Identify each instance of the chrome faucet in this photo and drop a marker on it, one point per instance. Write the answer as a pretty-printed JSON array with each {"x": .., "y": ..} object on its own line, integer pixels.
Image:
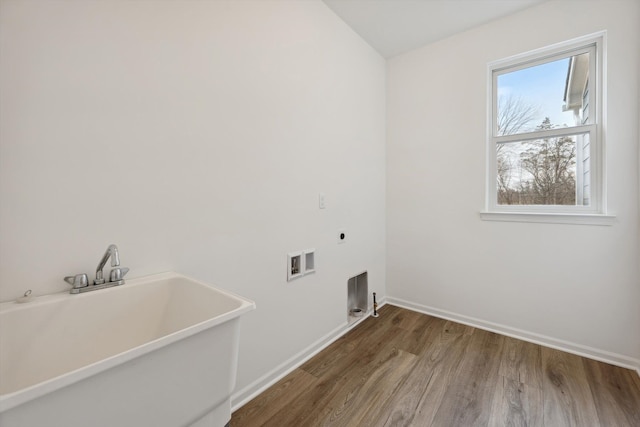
[
  {"x": 80, "y": 282},
  {"x": 111, "y": 252}
]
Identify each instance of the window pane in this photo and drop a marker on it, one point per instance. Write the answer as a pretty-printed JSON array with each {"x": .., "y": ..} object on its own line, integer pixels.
[
  {"x": 556, "y": 91},
  {"x": 552, "y": 171}
]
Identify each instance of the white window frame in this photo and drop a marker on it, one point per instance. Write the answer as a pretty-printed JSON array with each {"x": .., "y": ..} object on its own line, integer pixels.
[{"x": 596, "y": 212}]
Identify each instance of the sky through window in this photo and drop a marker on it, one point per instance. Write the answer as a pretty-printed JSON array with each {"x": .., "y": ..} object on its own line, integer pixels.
[{"x": 541, "y": 87}]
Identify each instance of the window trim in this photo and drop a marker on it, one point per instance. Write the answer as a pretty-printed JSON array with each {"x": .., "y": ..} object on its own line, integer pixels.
[
  {"x": 550, "y": 218},
  {"x": 596, "y": 212}
]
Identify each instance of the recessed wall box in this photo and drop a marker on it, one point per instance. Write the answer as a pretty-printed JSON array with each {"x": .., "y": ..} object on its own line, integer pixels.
[
  {"x": 357, "y": 296},
  {"x": 309, "y": 261},
  {"x": 295, "y": 265}
]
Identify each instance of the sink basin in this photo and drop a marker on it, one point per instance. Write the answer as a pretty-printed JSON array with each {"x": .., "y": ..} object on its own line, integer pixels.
[{"x": 160, "y": 350}]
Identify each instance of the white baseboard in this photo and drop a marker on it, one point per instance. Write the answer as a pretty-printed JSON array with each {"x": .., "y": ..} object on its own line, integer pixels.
[
  {"x": 241, "y": 397},
  {"x": 569, "y": 347}
]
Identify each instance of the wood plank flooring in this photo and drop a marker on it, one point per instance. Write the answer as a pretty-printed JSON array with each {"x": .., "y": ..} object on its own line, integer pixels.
[{"x": 409, "y": 369}]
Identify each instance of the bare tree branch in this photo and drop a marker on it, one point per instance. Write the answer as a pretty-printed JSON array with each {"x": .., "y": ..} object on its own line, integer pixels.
[{"x": 515, "y": 115}]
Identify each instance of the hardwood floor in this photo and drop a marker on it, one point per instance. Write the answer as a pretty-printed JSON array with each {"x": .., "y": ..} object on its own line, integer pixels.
[{"x": 409, "y": 369}]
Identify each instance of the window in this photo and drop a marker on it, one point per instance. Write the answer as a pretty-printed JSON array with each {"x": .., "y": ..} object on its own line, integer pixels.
[{"x": 545, "y": 141}]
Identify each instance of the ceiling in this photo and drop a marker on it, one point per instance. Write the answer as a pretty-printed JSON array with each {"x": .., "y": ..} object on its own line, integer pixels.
[{"x": 393, "y": 27}]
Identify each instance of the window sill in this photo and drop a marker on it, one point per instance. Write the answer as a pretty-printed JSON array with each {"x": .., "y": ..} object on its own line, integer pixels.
[{"x": 551, "y": 218}]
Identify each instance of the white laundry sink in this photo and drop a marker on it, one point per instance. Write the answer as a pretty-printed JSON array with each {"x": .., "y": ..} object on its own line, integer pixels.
[{"x": 159, "y": 350}]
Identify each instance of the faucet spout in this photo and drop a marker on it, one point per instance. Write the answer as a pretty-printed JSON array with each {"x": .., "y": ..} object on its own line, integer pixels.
[{"x": 111, "y": 252}]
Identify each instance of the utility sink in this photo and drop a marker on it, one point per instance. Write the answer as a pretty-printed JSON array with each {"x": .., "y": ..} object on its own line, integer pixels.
[{"x": 159, "y": 350}]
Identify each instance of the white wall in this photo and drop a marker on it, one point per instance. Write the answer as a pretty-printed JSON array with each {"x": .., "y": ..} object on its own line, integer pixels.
[
  {"x": 196, "y": 136},
  {"x": 570, "y": 285}
]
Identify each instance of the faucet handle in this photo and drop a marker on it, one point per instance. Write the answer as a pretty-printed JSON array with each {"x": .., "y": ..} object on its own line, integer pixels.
[
  {"x": 118, "y": 273},
  {"x": 78, "y": 281}
]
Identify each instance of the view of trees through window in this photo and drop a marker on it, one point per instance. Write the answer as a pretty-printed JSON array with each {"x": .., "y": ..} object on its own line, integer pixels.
[
  {"x": 551, "y": 169},
  {"x": 537, "y": 172}
]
